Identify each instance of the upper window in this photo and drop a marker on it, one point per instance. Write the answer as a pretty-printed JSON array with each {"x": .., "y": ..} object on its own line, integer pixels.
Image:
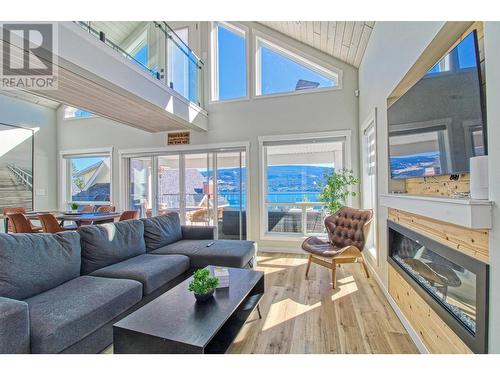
[
  {"x": 280, "y": 71},
  {"x": 71, "y": 112},
  {"x": 229, "y": 62}
]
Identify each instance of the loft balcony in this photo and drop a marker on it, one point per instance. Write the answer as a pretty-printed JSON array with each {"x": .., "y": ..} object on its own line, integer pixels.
[{"x": 138, "y": 73}]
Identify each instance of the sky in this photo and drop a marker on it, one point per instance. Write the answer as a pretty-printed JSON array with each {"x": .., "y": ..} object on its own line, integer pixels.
[
  {"x": 466, "y": 54},
  {"x": 279, "y": 74},
  {"x": 82, "y": 163}
]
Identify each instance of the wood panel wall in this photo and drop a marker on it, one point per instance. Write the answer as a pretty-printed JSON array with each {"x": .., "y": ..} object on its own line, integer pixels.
[
  {"x": 434, "y": 332},
  {"x": 442, "y": 185},
  {"x": 472, "y": 242}
]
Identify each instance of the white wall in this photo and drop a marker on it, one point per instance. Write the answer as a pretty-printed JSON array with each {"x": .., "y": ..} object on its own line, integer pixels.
[
  {"x": 19, "y": 112},
  {"x": 392, "y": 50},
  {"x": 492, "y": 61},
  {"x": 238, "y": 121}
]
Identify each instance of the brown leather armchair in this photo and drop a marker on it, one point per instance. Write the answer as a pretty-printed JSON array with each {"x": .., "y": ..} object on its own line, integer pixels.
[{"x": 347, "y": 231}]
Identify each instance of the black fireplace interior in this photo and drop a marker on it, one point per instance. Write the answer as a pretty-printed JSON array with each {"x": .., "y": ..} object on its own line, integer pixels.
[{"x": 454, "y": 284}]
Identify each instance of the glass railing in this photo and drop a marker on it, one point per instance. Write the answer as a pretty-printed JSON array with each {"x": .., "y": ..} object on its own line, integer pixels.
[{"x": 158, "y": 50}]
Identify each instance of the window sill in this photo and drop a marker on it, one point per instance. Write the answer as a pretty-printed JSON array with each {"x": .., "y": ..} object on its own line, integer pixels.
[
  {"x": 235, "y": 100},
  {"x": 290, "y": 237},
  {"x": 303, "y": 92}
]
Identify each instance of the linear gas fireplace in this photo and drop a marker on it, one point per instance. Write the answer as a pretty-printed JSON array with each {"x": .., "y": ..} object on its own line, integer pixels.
[{"x": 453, "y": 284}]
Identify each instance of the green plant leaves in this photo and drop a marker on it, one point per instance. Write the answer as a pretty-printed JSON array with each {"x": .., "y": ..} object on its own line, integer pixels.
[
  {"x": 336, "y": 189},
  {"x": 202, "y": 282}
]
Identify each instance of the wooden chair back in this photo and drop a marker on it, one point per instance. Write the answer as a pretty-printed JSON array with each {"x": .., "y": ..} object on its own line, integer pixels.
[
  {"x": 129, "y": 215},
  {"x": 49, "y": 223},
  {"x": 87, "y": 208},
  {"x": 106, "y": 209},
  {"x": 19, "y": 223},
  {"x": 13, "y": 210}
]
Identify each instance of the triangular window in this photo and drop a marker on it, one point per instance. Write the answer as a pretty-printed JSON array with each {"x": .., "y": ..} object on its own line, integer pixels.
[{"x": 280, "y": 71}]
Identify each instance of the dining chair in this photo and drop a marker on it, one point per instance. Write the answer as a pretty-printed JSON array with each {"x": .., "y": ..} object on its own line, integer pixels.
[
  {"x": 18, "y": 210},
  {"x": 347, "y": 231},
  {"x": 87, "y": 208},
  {"x": 129, "y": 215},
  {"x": 50, "y": 224},
  {"x": 106, "y": 209},
  {"x": 19, "y": 223}
]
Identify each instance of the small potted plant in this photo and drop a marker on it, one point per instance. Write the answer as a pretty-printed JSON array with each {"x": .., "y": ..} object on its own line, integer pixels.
[
  {"x": 74, "y": 206},
  {"x": 203, "y": 285}
]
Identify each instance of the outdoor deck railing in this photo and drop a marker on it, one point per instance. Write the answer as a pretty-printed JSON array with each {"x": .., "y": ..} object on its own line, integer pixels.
[
  {"x": 163, "y": 54},
  {"x": 22, "y": 177}
]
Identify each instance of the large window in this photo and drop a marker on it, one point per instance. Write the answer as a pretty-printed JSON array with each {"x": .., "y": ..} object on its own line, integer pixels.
[
  {"x": 280, "y": 71},
  {"x": 229, "y": 62},
  {"x": 295, "y": 172},
  {"x": 87, "y": 178},
  {"x": 369, "y": 180}
]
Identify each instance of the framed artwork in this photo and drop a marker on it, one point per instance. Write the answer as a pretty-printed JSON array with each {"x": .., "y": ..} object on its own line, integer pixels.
[{"x": 16, "y": 166}]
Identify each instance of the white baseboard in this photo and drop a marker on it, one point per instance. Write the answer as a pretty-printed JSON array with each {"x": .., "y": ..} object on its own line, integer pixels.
[
  {"x": 411, "y": 331},
  {"x": 286, "y": 250}
]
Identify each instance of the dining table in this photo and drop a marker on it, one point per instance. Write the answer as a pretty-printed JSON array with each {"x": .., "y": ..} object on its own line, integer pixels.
[{"x": 79, "y": 218}]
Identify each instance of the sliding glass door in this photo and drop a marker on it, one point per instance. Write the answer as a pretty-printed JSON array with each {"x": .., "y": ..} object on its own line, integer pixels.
[
  {"x": 168, "y": 176},
  {"x": 140, "y": 193},
  {"x": 205, "y": 188},
  {"x": 231, "y": 194},
  {"x": 199, "y": 189}
]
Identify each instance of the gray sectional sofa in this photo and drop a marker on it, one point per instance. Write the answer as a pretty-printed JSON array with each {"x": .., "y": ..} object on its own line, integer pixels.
[{"x": 61, "y": 293}]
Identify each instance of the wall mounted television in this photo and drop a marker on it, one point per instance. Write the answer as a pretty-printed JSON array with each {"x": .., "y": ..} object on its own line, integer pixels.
[{"x": 439, "y": 123}]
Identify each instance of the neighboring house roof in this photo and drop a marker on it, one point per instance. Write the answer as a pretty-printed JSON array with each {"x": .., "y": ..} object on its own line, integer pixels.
[
  {"x": 95, "y": 169},
  {"x": 88, "y": 169}
]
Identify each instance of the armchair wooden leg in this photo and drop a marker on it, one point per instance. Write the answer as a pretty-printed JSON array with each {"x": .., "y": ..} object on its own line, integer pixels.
[
  {"x": 365, "y": 267},
  {"x": 334, "y": 275},
  {"x": 308, "y": 265}
]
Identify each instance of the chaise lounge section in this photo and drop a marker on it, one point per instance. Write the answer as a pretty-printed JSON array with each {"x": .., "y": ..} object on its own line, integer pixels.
[{"x": 61, "y": 293}]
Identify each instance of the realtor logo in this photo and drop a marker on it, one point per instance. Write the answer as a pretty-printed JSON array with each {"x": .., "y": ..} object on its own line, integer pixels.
[{"x": 28, "y": 59}]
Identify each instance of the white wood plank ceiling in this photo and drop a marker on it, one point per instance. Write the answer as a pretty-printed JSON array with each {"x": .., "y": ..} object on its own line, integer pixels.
[{"x": 344, "y": 40}]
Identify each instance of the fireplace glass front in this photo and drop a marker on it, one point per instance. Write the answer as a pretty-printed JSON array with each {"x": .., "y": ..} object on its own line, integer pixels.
[{"x": 453, "y": 285}]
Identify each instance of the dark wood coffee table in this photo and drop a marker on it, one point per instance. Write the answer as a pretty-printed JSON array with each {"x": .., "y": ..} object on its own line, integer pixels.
[{"x": 176, "y": 323}]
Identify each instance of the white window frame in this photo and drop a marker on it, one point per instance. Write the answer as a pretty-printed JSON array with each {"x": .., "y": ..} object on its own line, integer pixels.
[
  {"x": 345, "y": 135},
  {"x": 370, "y": 121},
  {"x": 214, "y": 63},
  {"x": 65, "y": 174},
  {"x": 261, "y": 40}
]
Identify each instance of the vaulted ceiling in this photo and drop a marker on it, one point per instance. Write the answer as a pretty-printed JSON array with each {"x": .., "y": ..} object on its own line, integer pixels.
[{"x": 344, "y": 40}]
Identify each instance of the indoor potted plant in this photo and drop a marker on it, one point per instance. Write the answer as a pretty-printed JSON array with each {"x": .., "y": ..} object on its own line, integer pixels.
[
  {"x": 74, "y": 206},
  {"x": 337, "y": 189},
  {"x": 203, "y": 285}
]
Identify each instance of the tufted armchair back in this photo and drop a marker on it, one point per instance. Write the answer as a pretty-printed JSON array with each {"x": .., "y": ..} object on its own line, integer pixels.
[{"x": 348, "y": 226}]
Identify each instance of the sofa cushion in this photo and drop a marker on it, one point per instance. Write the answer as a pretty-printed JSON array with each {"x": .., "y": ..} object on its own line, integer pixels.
[
  {"x": 152, "y": 271},
  {"x": 106, "y": 244},
  {"x": 64, "y": 315},
  {"x": 226, "y": 253},
  {"x": 33, "y": 263},
  {"x": 14, "y": 327},
  {"x": 162, "y": 230}
]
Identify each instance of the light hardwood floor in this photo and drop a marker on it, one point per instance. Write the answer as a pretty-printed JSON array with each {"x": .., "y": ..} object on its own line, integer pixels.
[{"x": 307, "y": 316}]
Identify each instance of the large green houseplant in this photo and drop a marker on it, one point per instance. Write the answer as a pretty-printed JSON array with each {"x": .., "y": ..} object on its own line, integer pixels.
[{"x": 337, "y": 189}]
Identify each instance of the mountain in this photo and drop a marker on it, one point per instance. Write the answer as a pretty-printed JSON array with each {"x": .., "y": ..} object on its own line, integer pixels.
[{"x": 281, "y": 178}]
